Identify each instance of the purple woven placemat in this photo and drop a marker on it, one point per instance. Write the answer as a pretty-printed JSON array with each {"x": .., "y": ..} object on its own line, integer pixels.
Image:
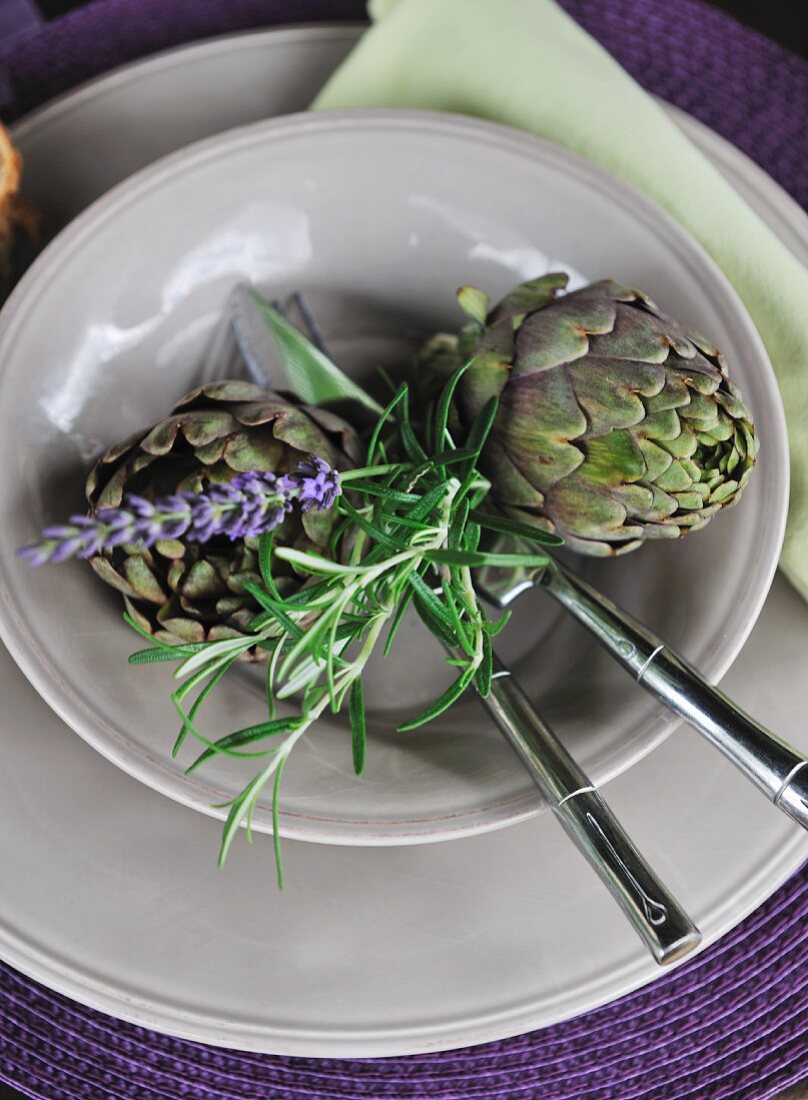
[
  {"x": 732, "y": 1024},
  {"x": 729, "y": 1025},
  {"x": 747, "y": 88}
]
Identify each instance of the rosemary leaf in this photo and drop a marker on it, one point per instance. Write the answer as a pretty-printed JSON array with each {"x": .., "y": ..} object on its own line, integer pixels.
[
  {"x": 356, "y": 713},
  {"x": 507, "y": 526},
  {"x": 400, "y": 396},
  {"x": 444, "y": 406},
  {"x": 265, "y": 563},
  {"x": 238, "y": 807},
  {"x": 230, "y": 744},
  {"x": 203, "y": 694},
  {"x": 482, "y": 677},
  {"x": 441, "y": 704}
]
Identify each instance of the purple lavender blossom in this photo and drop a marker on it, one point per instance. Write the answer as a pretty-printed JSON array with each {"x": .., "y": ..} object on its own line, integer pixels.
[
  {"x": 319, "y": 484},
  {"x": 246, "y": 507}
]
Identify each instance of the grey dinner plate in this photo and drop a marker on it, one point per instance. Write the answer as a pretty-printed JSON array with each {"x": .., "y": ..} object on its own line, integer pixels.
[{"x": 111, "y": 887}]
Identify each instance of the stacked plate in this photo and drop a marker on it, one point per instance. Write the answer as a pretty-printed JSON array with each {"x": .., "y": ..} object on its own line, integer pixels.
[{"x": 492, "y": 931}]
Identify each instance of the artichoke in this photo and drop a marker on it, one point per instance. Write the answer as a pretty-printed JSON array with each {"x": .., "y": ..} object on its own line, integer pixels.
[
  {"x": 180, "y": 590},
  {"x": 615, "y": 423}
]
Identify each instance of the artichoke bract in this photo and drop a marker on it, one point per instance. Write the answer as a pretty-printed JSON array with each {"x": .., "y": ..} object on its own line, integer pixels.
[
  {"x": 188, "y": 591},
  {"x": 615, "y": 424}
]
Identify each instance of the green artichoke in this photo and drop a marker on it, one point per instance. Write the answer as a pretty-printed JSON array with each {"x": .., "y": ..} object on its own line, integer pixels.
[
  {"x": 187, "y": 591},
  {"x": 615, "y": 424}
]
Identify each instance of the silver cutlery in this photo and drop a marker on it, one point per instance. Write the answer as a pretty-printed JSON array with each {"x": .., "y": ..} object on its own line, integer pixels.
[
  {"x": 661, "y": 922},
  {"x": 778, "y": 769},
  {"x": 775, "y": 767},
  {"x": 243, "y": 343}
]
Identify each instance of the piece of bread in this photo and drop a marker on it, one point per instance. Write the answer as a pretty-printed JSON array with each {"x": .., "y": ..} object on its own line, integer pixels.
[{"x": 16, "y": 215}]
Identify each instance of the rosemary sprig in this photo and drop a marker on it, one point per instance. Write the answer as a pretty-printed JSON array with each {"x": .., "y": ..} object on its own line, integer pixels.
[{"x": 407, "y": 532}]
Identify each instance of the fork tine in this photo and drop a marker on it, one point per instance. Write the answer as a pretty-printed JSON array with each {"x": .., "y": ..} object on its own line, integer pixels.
[
  {"x": 222, "y": 358},
  {"x": 242, "y": 344},
  {"x": 313, "y": 330}
]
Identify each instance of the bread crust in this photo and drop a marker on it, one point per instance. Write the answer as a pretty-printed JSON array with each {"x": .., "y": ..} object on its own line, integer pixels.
[{"x": 16, "y": 213}]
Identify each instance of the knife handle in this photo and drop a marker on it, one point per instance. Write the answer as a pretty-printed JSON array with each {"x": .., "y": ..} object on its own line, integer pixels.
[
  {"x": 776, "y": 767},
  {"x": 657, "y": 916}
]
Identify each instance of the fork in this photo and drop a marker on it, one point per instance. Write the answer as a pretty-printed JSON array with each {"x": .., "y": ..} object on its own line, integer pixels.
[{"x": 778, "y": 769}]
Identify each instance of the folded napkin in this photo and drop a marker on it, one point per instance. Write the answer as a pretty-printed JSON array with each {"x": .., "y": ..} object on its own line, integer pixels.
[{"x": 527, "y": 64}]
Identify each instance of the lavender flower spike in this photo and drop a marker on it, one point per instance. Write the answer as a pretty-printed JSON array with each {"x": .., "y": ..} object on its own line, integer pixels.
[
  {"x": 318, "y": 484},
  {"x": 246, "y": 507}
]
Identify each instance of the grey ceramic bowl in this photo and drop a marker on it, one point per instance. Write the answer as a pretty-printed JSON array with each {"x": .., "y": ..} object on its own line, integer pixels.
[{"x": 378, "y": 216}]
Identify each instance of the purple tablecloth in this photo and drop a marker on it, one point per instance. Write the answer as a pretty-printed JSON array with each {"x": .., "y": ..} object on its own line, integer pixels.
[
  {"x": 732, "y": 1024},
  {"x": 747, "y": 88}
]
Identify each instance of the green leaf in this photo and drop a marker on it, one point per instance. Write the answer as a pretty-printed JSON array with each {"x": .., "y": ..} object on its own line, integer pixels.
[
  {"x": 276, "y": 829},
  {"x": 395, "y": 623},
  {"x": 445, "y": 404},
  {"x": 314, "y": 563},
  {"x": 263, "y": 599},
  {"x": 483, "y": 422},
  {"x": 476, "y": 441},
  {"x": 369, "y": 528},
  {"x": 455, "y": 557},
  {"x": 482, "y": 678},
  {"x": 155, "y": 656},
  {"x": 274, "y": 652},
  {"x": 507, "y": 526},
  {"x": 450, "y": 457},
  {"x": 265, "y": 562},
  {"x": 394, "y": 496},
  {"x": 413, "y": 449},
  {"x": 457, "y": 531},
  {"x": 450, "y": 603},
  {"x": 427, "y": 596},
  {"x": 229, "y": 745},
  {"x": 474, "y": 302},
  {"x": 436, "y": 626},
  {"x": 238, "y": 807},
  {"x": 385, "y": 414},
  {"x": 212, "y": 651},
  {"x": 308, "y": 597},
  {"x": 385, "y": 469},
  {"x": 330, "y": 646},
  {"x": 532, "y": 561},
  {"x": 432, "y": 612},
  {"x": 356, "y": 713},
  {"x": 188, "y": 722},
  {"x": 311, "y": 375},
  {"x": 498, "y": 625},
  {"x": 451, "y": 695},
  {"x": 428, "y": 502},
  {"x": 413, "y": 524},
  {"x": 472, "y": 534},
  {"x": 172, "y": 652}
]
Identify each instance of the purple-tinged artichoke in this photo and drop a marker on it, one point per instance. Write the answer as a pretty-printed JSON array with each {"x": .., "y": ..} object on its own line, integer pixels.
[
  {"x": 615, "y": 424},
  {"x": 182, "y": 589}
]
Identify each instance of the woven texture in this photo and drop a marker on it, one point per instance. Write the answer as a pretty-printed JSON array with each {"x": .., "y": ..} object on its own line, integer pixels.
[
  {"x": 744, "y": 86},
  {"x": 730, "y": 1024}
]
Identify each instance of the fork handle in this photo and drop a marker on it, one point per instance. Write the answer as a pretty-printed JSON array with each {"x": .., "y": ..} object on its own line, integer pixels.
[
  {"x": 776, "y": 767},
  {"x": 661, "y": 922}
]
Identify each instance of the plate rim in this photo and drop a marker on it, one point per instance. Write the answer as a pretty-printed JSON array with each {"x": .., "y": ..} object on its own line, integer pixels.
[
  {"x": 115, "y": 1000},
  {"x": 184, "y": 52}
]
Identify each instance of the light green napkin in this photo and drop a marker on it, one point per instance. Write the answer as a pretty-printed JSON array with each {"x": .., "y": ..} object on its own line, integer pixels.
[{"x": 527, "y": 64}]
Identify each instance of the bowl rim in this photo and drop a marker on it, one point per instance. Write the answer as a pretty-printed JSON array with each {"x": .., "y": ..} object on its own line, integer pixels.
[{"x": 714, "y": 664}]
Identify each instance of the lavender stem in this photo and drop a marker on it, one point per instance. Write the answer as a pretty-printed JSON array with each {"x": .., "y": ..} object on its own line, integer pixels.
[{"x": 246, "y": 507}]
